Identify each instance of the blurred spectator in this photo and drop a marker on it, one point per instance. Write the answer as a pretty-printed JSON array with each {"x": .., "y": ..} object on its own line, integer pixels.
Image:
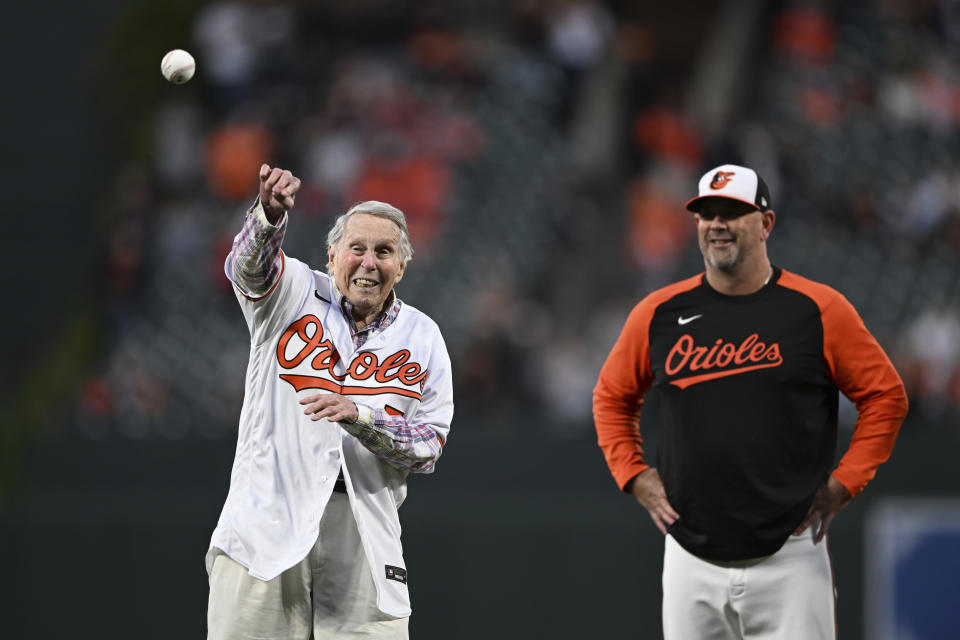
[
  {"x": 230, "y": 152},
  {"x": 125, "y": 258},
  {"x": 925, "y": 205},
  {"x": 225, "y": 33},
  {"x": 578, "y": 32},
  {"x": 332, "y": 162},
  {"x": 566, "y": 363},
  {"x": 932, "y": 358},
  {"x": 448, "y": 132},
  {"x": 805, "y": 32},
  {"x": 821, "y": 106},
  {"x": 128, "y": 396},
  {"x": 503, "y": 330},
  {"x": 929, "y": 95},
  {"x": 178, "y": 144},
  {"x": 416, "y": 184},
  {"x": 666, "y": 136},
  {"x": 565, "y": 381},
  {"x": 443, "y": 53},
  {"x": 657, "y": 229},
  {"x": 127, "y": 264},
  {"x": 236, "y": 40}
]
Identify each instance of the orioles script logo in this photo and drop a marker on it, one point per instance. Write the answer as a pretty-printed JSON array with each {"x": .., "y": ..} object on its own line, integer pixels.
[
  {"x": 394, "y": 368},
  {"x": 751, "y": 354},
  {"x": 720, "y": 179}
]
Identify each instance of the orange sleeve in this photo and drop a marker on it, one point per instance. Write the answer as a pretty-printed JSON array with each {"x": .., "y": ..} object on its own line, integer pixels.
[
  {"x": 863, "y": 372},
  {"x": 624, "y": 379}
]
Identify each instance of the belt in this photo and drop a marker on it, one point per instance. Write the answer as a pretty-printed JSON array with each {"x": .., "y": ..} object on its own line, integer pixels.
[{"x": 340, "y": 485}]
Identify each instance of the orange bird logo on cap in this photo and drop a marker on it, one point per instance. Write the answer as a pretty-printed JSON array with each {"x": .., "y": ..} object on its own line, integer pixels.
[{"x": 720, "y": 179}]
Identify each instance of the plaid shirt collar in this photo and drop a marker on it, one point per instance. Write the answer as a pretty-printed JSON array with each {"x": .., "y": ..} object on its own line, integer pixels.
[{"x": 381, "y": 322}]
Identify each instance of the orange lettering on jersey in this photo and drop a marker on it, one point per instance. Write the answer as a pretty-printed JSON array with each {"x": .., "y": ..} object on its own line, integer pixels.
[
  {"x": 309, "y": 330},
  {"x": 392, "y": 411},
  {"x": 687, "y": 356},
  {"x": 409, "y": 373},
  {"x": 363, "y": 366}
]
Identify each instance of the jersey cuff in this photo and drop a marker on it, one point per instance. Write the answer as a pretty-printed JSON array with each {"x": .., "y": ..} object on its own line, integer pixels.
[
  {"x": 854, "y": 490},
  {"x": 626, "y": 477},
  {"x": 366, "y": 416},
  {"x": 261, "y": 216}
]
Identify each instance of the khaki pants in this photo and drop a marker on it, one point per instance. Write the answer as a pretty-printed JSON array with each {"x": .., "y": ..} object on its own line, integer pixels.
[
  {"x": 330, "y": 594},
  {"x": 785, "y": 596}
]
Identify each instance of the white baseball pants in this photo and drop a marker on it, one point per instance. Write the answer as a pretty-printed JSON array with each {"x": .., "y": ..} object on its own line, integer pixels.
[
  {"x": 785, "y": 596},
  {"x": 329, "y": 595}
]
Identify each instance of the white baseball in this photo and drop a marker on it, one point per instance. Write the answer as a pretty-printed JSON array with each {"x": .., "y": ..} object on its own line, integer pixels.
[{"x": 178, "y": 66}]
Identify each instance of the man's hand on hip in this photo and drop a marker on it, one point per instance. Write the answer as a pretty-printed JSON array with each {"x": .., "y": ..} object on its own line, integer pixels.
[
  {"x": 830, "y": 498},
  {"x": 648, "y": 489}
]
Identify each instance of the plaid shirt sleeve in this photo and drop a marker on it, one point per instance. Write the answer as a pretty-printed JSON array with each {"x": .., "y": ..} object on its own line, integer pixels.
[
  {"x": 412, "y": 447},
  {"x": 254, "y": 263}
]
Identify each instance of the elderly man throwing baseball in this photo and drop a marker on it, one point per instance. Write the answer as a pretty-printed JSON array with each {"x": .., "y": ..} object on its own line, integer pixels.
[
  {"x": 348, "y": 390},
  {"x": 748, "y": 359}
]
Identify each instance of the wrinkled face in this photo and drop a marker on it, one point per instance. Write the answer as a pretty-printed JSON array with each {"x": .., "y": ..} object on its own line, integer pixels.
[
  {"x": 728, "y": 231},
  {"x": 366, "y": 264}
]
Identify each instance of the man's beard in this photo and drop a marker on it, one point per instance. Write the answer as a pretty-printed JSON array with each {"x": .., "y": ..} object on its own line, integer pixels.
[{"x": 727, "y": 260}]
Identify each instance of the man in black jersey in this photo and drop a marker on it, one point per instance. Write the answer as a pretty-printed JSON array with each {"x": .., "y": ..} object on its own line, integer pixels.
[{"x": 748, "y": 359}]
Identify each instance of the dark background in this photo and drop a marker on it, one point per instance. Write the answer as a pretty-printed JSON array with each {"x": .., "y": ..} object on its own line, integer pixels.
[{"x": 106, "y": 511}]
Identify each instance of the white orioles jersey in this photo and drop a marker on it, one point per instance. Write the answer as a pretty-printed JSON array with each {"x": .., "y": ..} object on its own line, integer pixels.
[{"x": 286, "y": 464}]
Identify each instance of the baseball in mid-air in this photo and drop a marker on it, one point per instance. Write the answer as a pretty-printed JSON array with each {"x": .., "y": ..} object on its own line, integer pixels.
[{"x": 178, "y": 66}]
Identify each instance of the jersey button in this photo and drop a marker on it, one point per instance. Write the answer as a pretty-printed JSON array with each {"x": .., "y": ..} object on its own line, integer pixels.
[{"x": 323, "y": 478}]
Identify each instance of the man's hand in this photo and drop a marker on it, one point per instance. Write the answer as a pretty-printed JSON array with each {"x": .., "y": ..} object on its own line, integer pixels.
[
  {"x": 830, "y": 498},
  {"x": 647, "y": 488},
  {"x": 332, "y": 406},
  {"x": 278, "y": 188}
]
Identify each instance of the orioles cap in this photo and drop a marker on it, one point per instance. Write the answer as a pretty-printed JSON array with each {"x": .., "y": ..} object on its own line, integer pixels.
[{"x": 733, "y": 182}]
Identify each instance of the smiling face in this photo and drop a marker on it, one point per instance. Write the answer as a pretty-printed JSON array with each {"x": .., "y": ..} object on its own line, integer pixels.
[
  {"x": 730, "y": 233},
  {"x": 366, "y": 265}
]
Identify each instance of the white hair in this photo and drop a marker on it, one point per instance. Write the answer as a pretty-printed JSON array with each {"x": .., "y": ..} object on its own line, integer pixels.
[{"x": 379, "y": 209}]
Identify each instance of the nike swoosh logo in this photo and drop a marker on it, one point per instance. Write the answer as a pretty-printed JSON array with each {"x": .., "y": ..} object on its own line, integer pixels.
[
  {"x": 317, "y": 293},
  {"x": 682, "y": 321}
]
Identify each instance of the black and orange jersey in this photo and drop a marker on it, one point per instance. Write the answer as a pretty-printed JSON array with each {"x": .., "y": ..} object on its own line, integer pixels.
[{"x": 749, "y": 399}]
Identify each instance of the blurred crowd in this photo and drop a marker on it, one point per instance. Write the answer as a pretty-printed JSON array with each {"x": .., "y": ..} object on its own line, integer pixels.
[{"x": 542, "y": 151}]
